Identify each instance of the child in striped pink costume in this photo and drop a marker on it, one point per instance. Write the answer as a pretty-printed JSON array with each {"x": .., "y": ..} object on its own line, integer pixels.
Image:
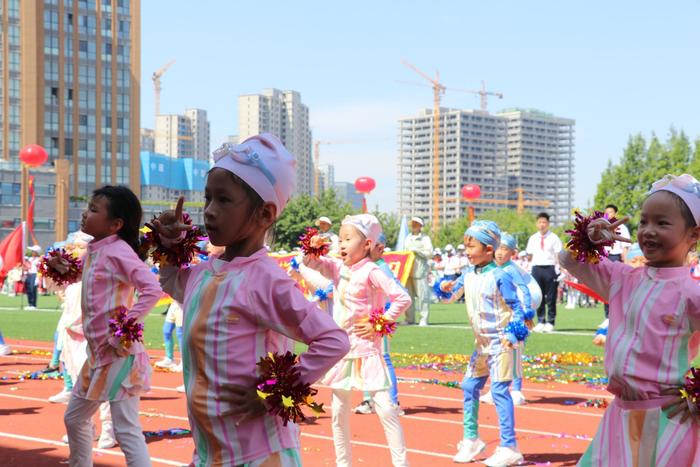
[
  {"x": 240, "y": 305},
  {"x": 361, "y": 287},
  {"x": 112, "y": 271},
  {"x": 653, "y": 333}
]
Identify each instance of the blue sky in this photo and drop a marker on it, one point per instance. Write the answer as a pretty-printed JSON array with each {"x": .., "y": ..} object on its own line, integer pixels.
[{"x": 617, "y": 68}]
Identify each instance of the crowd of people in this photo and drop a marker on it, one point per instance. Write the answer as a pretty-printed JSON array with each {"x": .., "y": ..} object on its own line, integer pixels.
[{"x": 239, "y": 305}]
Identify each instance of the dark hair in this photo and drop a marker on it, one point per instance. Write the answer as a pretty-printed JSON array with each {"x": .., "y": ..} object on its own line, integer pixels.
[
  {"x": 543, "y": 215},
  {"x": 123, "y": 204},
  {"x": 613, "y": 207}
]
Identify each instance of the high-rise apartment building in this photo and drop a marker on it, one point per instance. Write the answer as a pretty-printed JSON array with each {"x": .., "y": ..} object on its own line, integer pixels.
[
  {"x": 201, "y": 139},
  {"x": 148, "y": 140},
  {"x": 326, "y": 177},
  {"x": 173, "y": 136},
  {"x": 541, "y": 159},
  {"x": 69, "y": 81},
  {"x": 500, "y": 153},
  {"x": 472, "y": 150},
  {"x": 284, "y": 115}
]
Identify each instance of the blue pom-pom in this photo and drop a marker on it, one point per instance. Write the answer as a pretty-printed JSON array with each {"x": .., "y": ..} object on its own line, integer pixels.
[
  {"x": 439, "y": 293},
  {"x": 154, "y": 270},
  {"x": 294, "y": 263},
  {"x": 203, "y": 256},
  {"x": 529, "y": 315},
  {"x": 387, "y": 305},
  {"x": 601, "y": 332},
  {"x": 518, "y": 329},
  {"x": 321, "y": 294}
]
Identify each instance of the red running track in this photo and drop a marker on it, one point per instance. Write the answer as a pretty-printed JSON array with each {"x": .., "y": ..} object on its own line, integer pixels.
[{"x": 552, "y": 429}]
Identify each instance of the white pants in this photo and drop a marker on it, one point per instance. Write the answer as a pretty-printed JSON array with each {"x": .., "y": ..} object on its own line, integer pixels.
[
  {"x": 127, "y": 430},
  {"x": 388, "y": 415}
]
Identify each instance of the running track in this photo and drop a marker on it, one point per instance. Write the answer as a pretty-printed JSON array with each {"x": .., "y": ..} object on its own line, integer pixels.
[{"x": 552, "y": 429}]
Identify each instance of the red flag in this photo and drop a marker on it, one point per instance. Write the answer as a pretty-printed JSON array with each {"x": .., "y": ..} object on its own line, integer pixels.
[
  {"x": 585, "y": 289},
  {"x": 12, "y": 250},
  {"x": 30, "y": 211}
]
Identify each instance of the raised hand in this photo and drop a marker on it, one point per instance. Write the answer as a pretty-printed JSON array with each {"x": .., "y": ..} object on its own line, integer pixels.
[
  {"x": 170, "y": 224},
  {"x": 602, "y": 231}
]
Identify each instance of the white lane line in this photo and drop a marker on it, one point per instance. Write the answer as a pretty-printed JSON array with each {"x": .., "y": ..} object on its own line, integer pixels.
[
  {"x": 101, "y": 451},
  {"x": 383, "y": 446}
]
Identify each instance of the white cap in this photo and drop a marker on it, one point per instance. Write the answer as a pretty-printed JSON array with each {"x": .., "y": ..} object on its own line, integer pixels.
[
  {"x": 522, "y": 254},
  {"x": 417, "y": 220},
  {"x": 461, "y": 246},
  {"x": 35, "y": 248},
  {"x": 449, "y": 247},
  {"x": 323, "y": 219}
]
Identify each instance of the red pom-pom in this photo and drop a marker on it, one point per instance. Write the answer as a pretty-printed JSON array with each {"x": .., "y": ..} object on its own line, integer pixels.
[
  {"x": 691, "y": 389},
  {"x": 282, "y": 391},
  {"x": 380, "y": 325},
  {"x": 179, "y": 254},
  {"x": 72, "y": 275},
  {"x": 580, "y": 245},
  {"x": 305, "y": 243},
  {"x": 128, "y": 330}
]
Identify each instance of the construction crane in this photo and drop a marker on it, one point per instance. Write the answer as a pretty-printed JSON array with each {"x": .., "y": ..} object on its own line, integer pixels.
[
  {"x": 483, "y": 94},
  {"x": 438, "y": 90},
  {"x": 156, "y": 83}
]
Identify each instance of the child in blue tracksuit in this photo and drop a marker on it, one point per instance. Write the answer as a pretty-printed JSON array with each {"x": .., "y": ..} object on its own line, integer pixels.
[
  {"x": 366, "y": 406},
  {"x": 496, "y": 316}
]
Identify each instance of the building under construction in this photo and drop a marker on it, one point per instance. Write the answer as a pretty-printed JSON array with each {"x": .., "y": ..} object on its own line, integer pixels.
[{"x": 517, "y": 150}]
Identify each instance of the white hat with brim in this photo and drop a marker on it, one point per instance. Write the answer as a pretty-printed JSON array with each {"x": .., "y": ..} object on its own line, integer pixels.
[
  {"x": 323, "y": 219},
  {"x": 35, "y": 248},
  {"x": 417, "y": 220}
]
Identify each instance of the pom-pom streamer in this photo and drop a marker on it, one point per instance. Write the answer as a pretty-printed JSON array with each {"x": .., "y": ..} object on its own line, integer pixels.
[
  {"x": 179, "y": 254},
  {"x": 518, "y": 329},
  {"x": 691, "y": 389},
  {"x": 381, "y": 325},
  {"x": 305, "y": 243},
  {"x": 281, "y": 390},
  {"x": 72, "y": 275},
  {"x": 439, "y": 293},
  {"x": 580, "y": 245},
  {"x": 128, "y": 330}
]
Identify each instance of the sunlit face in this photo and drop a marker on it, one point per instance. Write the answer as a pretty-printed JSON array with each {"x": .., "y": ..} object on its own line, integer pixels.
[
  {"x": 478, "y": 253},
  {"x": 377, "y": 251},
  {"x": 415, "y": 228},
  {"x": 542, "y": 225},
  {"x": 610, "y": 213},
  {"x": 503, "y": 255},
  {"x": 354, "y": 246},
  {"x": 324, "y": 227},
  {"x": 226, "y": 209},
  {"x": 96, "y": 220},
  {"x": 663, "y": 235}
]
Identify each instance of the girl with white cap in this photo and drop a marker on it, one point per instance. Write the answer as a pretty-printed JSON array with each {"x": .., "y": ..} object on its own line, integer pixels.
[
  {"x": 360, "y": 289},
  {"x": 654, "y": 329},
  {"x": 238, "y": 306}
]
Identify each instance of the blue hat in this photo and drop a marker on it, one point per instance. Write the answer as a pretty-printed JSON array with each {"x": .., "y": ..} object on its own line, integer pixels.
[
  {"x": 634, "y": 252},
  {"x": 487, "y": 232},
  {"x": 382, "y": 238},
  {"x": 509, "y": 241}
]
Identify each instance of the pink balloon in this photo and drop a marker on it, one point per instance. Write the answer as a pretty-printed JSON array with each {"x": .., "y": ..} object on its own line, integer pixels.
[
  {"x": 33, "y": 155},
  {"x": 365, "y": 184},
  {"x": 471, "y": 191}
]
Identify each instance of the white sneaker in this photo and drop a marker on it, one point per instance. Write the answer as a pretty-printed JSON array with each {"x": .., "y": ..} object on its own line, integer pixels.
[
  {"x": 504, "y": 456},
  {"x": 364, "y": 408},
  {"x": 538, "y": 328},
  {"x": 180, "y": 388},
  {"x": 62, "y": 397},
  {"x": 399, "y": 410},
  {"x": 30, "y": 307},
  {"x": 177, "y": 368},
  {"x": 423, "y": 323},
  {"x": 518, "y": 398},
  {"x": 107, "y": 439},
  {"x": 5, "y": 349},
  {"x": 486, "y": 398},
  {"x": 468, "y": 450},
  {"x": 168, "y": 363},
  {"x": 548, "y": 328}
]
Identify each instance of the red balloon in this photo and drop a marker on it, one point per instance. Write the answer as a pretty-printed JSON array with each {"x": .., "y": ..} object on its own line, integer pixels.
[
  {"x": 365, "y": 184},
  {"x": 33, "y": 155},
  {"x": 471, "y": 191}
]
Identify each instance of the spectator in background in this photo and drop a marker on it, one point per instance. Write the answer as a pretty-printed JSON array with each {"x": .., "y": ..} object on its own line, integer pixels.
[
  {"x": 31, "y": 268},
  {"x": 543, "y": 248}
]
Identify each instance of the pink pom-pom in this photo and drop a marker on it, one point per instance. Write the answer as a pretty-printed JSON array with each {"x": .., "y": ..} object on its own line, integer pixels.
[
  {"x": 580, "y": 244},
  {"x": 128, "y": 330},
  {"x": 381, "y": 325},
  {"x": 72, "y": 275}
]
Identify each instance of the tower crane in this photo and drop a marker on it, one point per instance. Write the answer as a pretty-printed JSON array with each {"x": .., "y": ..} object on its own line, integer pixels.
[
  {"x": 483, "y": 94},
  {"x": 156, "y": 83},
  {"x": 438, "y": 90}
]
